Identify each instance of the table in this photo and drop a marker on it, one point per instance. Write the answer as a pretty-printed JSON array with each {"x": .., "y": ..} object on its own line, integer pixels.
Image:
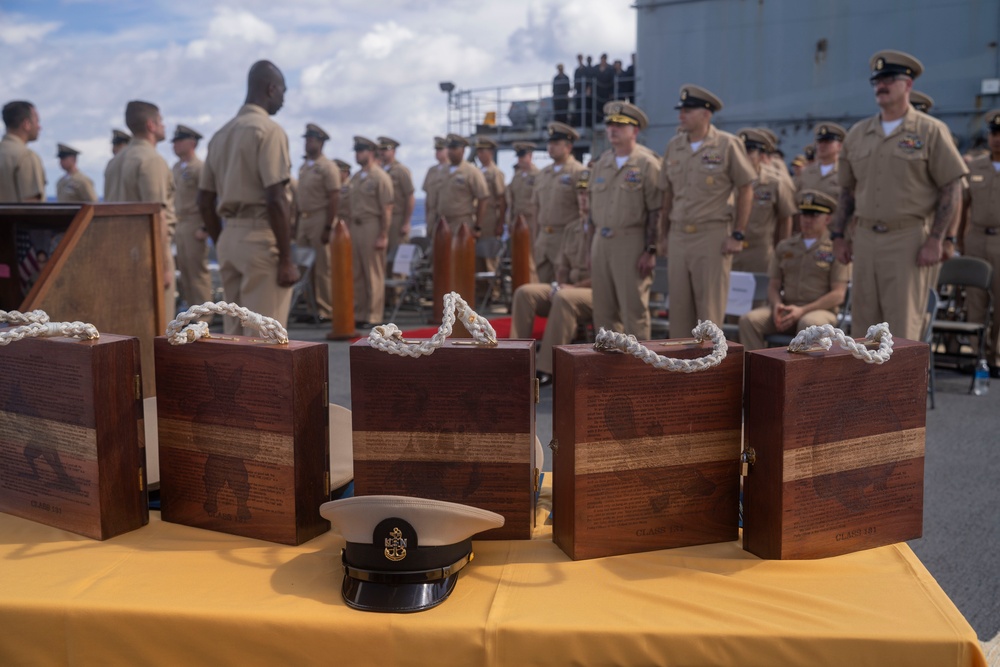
[{"x": 170, "y": 594}]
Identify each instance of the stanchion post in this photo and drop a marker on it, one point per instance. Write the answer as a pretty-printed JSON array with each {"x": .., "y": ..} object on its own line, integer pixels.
[
  {"x": 442, "y": 267},
  {"x": 341, "y": 284},
  {"x": 463, "y": 270},
  {"x": 520, "y": 254}
]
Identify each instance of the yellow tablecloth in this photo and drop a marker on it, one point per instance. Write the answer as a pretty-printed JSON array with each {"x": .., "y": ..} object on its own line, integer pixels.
[{"x": 173, "y": 595}]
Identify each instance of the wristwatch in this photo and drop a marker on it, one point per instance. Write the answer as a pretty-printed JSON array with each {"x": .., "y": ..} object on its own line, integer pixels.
[
  {"x": 651, "y": 250},
  {"x": 951, "y": 239},
  {"x": 738, "y": 235}
]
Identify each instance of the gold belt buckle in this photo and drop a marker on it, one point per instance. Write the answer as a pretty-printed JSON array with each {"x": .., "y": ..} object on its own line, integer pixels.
[
  {"x": 549, "y": 229},
  {"x": 305, "y": 214},
  {"x": 690, "y": 229}
]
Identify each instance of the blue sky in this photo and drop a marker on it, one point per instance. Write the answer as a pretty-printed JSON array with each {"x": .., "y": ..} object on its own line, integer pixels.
[{"x": 368, "y": 67}]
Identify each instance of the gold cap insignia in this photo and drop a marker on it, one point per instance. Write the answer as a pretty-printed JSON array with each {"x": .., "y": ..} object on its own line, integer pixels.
[
  {"x": 395, "y": 545},
  {"x": 996, "y": 119},
  {"x": 822, "y": 130},
  {"x": 880, "y": 63},
  {"x": 615, "y": 108},
  {"x": 684, "y": 94},
  {"x": 808, "y": 199},
  {"x": 743, "y": 136}
]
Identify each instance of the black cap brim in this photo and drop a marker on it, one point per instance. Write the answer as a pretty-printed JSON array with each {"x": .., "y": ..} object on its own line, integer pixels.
[{"x": 397, "y": 598}]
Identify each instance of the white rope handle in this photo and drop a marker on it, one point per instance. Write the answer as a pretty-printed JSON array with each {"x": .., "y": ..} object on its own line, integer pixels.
[
  {"x": 706, "y": 330},
  {"x": 49, "y": 330},
  {"x": 823, "y": 336},
  {"x": 388, "y": 337},
  {"x": 16, "y": 317},
  {"x": 181, "y": 330}
]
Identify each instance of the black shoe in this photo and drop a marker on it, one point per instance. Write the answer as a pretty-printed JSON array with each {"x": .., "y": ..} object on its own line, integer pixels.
[
  {"x": 995, "y": 372},
  {"x": 306, "y": 319},
  {"x": 544, "y": 379}
]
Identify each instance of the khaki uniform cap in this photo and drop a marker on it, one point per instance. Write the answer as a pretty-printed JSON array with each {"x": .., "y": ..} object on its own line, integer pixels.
[
  {"x": 562, "y": 131},
  {"x": 754, "y": 135},
  {"x": 439, "y": 142},
  {"x": 889, "y": 62},
  {"x": 921, "y": 101},
  {"x": 814, "y": 200},
  {"x": 316, "y": 131},
  {"x": 524, "y": 147},
  {"x": 185, "y": 132},
  {"x": 696, "y": 97},
  {"x": 456, "y": 140},
  {"x": 64, "y": 150},
  {"x": 485, "y": 142},
  {"x": 993, "y": 120},
  {"x": 120, "y": 137},
  {"x": 387, "y": 142},
  {"x": 364, "y": 144},
  {"x": 829, "y": 131},
  {"x": 809, "y": 152},
  {"x": 343, "y": 166},
  {"x": 625, "y": 113}
]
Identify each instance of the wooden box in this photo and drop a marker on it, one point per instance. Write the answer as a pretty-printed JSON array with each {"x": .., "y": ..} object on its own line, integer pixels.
[
  {"x": 104, "y": 267},
  {"x": 72, "y": 448},
  {"x": 644, "y": 458},
  {"x": 456, "y": 425},
  {"x": 244, "y": 436},
  {"x": 838, "y": 450}
]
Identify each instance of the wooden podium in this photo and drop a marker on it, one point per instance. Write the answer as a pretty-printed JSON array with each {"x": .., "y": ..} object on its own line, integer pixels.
[
  {"x": 456, "y": 425},
  {"x": 837, "y": 448},
  {"x": 644, "y": 458},
  {"x": 72, "y": 451},
  {"x": 104, "y": 267}
]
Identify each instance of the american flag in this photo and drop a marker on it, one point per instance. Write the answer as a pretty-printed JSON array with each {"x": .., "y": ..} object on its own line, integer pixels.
[{"x": 27, "y": 261}]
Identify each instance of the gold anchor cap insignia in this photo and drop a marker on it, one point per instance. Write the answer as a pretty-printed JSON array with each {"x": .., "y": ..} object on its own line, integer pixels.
[{"x": 395, "y": 546}]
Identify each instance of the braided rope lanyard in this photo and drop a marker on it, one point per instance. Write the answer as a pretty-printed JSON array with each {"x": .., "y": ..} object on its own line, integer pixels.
[
  {"x": 17, "y": 318},
  {"x": 706, "y": 330},
  {"x": 822, "y": 336},
  {"x": 49, "y": 330},
  {"x": 388, "y": 337},
  {"x": 182, "y": 330}
]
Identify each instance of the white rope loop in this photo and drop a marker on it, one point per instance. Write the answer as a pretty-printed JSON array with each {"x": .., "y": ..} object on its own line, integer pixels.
[
  {"x": 388, "y": 338},
  {"x": 706, "y": 330},
  {"x": 49, "y": 330},
  {"x": 17, "y": 318},
  {"x": 823, "y": 336},
  {"x": 181, "y": 330}
]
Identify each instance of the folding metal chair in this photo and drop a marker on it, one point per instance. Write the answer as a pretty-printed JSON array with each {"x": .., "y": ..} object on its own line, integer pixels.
[
  {"x": 490, "y": 248},
  {"x": 304, "y": 258},
  {"x": 659, "y": 326},
  {"x": 958, "y": 274},
  {"x": 407, "y": 262},
  {"x": 933, "y": 303}
]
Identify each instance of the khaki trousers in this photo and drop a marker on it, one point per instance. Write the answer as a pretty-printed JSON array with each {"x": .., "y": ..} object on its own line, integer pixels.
[
  {"x": 758, "y": 324},
  {"x": 887, "y": 284},
  {"x": 548, "y": 245},
  {"x": 621, "y": 297},
  {"x": 570, "y": 307},
  {"x": 248, "y": 264},
  {"x": 368, "y": 266},
  {"x": 310, "y": 233},
  {"x": 394, "y": 238},
  {"x": 192, "y": 262},
  {"x": 982, "y": 245},
  {"x": 698, "y": 275},
  {"x": 755, "y": 259}
]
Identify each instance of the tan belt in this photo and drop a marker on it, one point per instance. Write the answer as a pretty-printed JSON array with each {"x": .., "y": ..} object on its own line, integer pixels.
[
  {"x": 884, "y": 226},
  {"x": 549, "y": 229},
  {"x": 989, "y": 231}
]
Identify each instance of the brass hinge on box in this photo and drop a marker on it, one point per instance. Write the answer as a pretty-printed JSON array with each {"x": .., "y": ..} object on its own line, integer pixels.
[
  {"x": 326, "y": 482},
  {"x": 140, "y": 478},
  {"x": 138, "y": 387},
  {"x": 747, "y": 459},
  {"x": 326, "y": 394},
  {"x": 538, "y": 391}
]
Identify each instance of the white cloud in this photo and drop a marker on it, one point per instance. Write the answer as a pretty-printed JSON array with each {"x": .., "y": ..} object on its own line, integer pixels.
[
  {"x": 383, "y": 39},
  {"x": 14, "y": 30}
]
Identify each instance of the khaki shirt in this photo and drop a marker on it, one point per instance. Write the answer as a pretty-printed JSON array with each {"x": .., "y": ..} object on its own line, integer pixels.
[
  {"x": 371, "y": 192},
  {"x": 344, "y": 206},
  {"x": 702, "y": 183},
  {"x": 186, "y": 177},
  {"x": 402, "y": 188},
  {"x": 806, "y": 274},
  {"x": 498, "y": 189},
  {"x": 812, "y": 178},
  {"x": 622, "y": 198},
  {"x": 520, "y": 192},
  {"x": 772, "y": 199},
  {"x": 316, "y": 181},
  {"x": 555, "y": 195},
  {"x": 984, "y": 193},
  {"x": 247, "y": 156},
  {"x": 898, "y": 178},
  {"x": 432, "y": 186},
  {"x": 575, "y": 253},
  {"x": 22, "y": 177},
  {"x": 460, "y": 190},
  {"x": 75, "y": 187},
  {"x": 139, "y": 173}
]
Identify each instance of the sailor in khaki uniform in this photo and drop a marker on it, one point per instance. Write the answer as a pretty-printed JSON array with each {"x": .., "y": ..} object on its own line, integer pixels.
[
  {"x": 568, "y": 301},
  {"x": 982, "y": 231},
  {"x": 491, "y": 224},
  {"x": 317, "y": 197},
  {"x": 464, "y": 195},
  {"x": 822, "y": 174},
  {"x": 139, "y": 173},
  {"x": 521, "y": 188},
  {"x": 624, "y": 205},
  {"x": 75, "y": 186},
  {"x": 432, "y": 185},
  {"x": 807, "y": 283},
  {"x": 344, "y": 206},
  {"x": 191, "y": 237},
  {"x": 245, "y": 180},
  {"x": 22, "y": 177},
  {"x": 402, "y": 188},
  {"x": 703, "y": 167},
  {"x": 771, "y": 213},
  {"x": 555, "y": 198},
  {"x": 119, "y": 140},
  {"x": 371, "y": 213},
  {"x": 809, "y": 153},
  {"x": 901, "y": 176},
  {"x": 921, "y": 101}
]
